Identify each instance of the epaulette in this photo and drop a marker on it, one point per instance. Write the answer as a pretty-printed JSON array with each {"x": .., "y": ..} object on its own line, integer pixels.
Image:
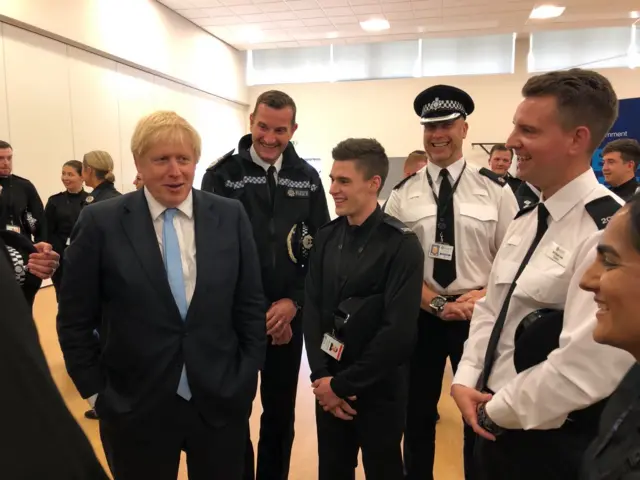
[
  {"x": 397, "y": 224},
  {"x": 494, "y": 177},
  {"x": 525, "y": 210},
  {"x": 404, "y": 180},
  {"x": 221, "y": 160},
  {"x": 602, "y": 209},
  {"x": 330, "y": 222}
]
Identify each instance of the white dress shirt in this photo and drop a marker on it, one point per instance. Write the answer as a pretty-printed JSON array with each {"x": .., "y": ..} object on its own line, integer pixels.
[
  {"x": 483, "y": 210},
  {"x": 580, "y": 372},
  {"x": 185, "y": 229},
  {"x": 257, "y": 160}
]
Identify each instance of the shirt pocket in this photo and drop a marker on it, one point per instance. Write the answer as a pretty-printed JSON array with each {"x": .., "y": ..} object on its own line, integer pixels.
[
  {"x": 414, "y": 213},
  {"x": 546, "y": 289},
  {"x": 478, "y": 222}
]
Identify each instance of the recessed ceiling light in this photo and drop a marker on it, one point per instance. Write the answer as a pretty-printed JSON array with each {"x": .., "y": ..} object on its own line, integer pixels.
[
  {"x": 634, "y": 14},
  {"x": 332, "y": 35},
  {"x": 375, "y": 25},
  {"x": 546, "y": 11}
]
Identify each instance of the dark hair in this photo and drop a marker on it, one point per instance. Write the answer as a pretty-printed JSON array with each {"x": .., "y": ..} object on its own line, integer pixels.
[
  {"x": 4, "y": 145},
  {"x": 629, "y": 150},
  {"x": 277, "y": 100},
  {"x": 584, "y": 98},
  {"x": 500, "y": 147},
  {"x": 75, "y": 164},
  {"x": 369, "y": 156}
]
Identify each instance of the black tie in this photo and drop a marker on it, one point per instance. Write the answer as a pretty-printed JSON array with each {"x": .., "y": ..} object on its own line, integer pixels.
[
  {"x": 444, "y": 271},
  {"x": 271, "y": 179},
  {"x": 490, "y": 355}
]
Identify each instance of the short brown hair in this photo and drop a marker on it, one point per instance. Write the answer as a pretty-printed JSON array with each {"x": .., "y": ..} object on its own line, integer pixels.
[
  {"x": 277, "y": 100},
  {"x": 628, "y": 148},
  {"x": 369, "y": 156},
  {"x": 584, "y": 98},
  {"x": 500, "y": 147}
]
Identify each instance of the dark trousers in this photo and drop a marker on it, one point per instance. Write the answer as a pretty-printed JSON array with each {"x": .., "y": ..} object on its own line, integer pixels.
[
  {"x": 531, "y": 455},
  {"x": 56, "y": 279},
  {"x": 437, "y": 340},
  {"x": 376, "y": 429},
  {"x": 150, "y": 448},
  {"x": 278, "y": 388}
]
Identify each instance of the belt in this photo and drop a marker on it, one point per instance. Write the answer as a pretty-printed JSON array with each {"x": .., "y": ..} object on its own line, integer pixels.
[{"x": 451, "y": 298}]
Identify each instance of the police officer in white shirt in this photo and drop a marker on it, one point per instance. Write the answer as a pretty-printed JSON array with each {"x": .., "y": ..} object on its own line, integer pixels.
[
  {"x": 460, "y": 213},
  {"x": 532, "y": 380}
]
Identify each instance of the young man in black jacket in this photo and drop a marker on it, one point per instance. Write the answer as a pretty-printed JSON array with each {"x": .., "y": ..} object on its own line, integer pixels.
[{"x": 286, "y": 204}]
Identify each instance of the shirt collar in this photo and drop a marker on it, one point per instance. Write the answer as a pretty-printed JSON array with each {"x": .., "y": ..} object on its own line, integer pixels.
[
  {"x": 571, "y": 194},
  {"x": 257, "y": 160},
  {"x": 157, "y": 209},
  {"x": 455, "y": 169}
]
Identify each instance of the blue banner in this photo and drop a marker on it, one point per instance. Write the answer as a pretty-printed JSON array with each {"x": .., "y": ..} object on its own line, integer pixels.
[{"x": 626, "y": 126}]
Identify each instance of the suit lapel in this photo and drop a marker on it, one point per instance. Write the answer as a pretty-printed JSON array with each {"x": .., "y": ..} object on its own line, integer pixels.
[
  {"x": 206, "y": 220},
  {"x": 138, "y": 226}
]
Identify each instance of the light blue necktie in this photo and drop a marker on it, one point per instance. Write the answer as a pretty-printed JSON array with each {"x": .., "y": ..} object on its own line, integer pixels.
[{"x": 173, "y": 265}]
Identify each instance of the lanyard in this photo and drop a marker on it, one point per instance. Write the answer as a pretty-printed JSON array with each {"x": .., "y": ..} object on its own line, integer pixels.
[{"x": 442, "y": 209}]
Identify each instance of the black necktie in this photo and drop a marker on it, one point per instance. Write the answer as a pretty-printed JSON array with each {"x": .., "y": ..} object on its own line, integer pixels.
[
  {"x": 444, "y": 271},
  {"x": 271, "y": 180},
  {"x": 490, "y": 355}
]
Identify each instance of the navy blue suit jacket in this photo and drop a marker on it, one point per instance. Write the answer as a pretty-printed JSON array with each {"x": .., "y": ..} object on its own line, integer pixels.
[{"x": 115, "y": 278}]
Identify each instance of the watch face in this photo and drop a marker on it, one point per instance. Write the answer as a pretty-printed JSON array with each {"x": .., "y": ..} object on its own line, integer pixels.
[{"x": 438, "y": 302}]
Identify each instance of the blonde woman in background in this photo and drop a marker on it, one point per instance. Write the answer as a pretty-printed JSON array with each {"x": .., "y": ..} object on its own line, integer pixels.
[{"x": 97, "y": 172}]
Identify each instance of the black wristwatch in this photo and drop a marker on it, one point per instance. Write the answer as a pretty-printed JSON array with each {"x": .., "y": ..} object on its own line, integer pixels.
[
  {"x": 437, "y": 304},
  {"x": 484, "y": 420}
]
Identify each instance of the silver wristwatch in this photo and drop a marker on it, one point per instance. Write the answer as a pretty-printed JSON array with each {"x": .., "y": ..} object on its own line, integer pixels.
[{"x": 437, "y": 304}]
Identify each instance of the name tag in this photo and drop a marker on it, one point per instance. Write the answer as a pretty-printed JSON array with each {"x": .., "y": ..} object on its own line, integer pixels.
[
  {"x": 13, "y": 228},
  {"x": 332, "y": 347},
  {"x": 297, "y": 193},
  {"x": 441, "y": 251},
  {"x": 558, "y": 254},
  {"x": 68, "y": 241}
]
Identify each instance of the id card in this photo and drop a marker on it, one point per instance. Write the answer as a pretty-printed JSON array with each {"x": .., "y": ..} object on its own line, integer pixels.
[
  {"x": 332, "y": 347},
  {"x": 13, "y": 228},
  {"x": 441, "y": 251}
]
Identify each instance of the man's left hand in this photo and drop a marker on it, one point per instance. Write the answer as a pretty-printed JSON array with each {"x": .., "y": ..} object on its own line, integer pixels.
[
  {"x": 45, "y": 262},
  {"x": 279, "y": 315},
  {"x": 472, "y": 297},
  {"x": 325, "y": 394}
]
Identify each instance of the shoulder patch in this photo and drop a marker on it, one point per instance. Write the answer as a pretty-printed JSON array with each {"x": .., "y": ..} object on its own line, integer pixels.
[
  {"x": 525, "y": 210},
  {"x": 404, "y": 180},
  {"x": 494, "y": 177},
  {"x": 397, "y": 224},
  {"x": 220, "y": 160},
  {"x": 601, "y": 210}
]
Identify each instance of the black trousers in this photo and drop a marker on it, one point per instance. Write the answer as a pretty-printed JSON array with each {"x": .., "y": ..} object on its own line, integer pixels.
[
  {"x": 278, "y": 389},
  {"x": 376, "y": 429},
  {"x": 151, "y": 448},
  {"x": 532, "y": 455},
  {"x": 437, "y": 340}
]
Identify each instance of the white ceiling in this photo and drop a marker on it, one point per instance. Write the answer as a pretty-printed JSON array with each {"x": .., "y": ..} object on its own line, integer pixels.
[{"x": 252, "y": 24}]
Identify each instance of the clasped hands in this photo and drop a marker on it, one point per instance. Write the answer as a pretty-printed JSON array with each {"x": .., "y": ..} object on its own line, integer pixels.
[
  {"x": 279, "y": 318},
  {"x": 462, "y": 308},
  {"x": 45, "y": 262},
  {"x": 330, "y": 402}
]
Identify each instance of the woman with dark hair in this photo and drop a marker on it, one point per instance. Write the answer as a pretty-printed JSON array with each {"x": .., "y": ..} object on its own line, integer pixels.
[
  {"x": 614, "y": 278},
  {"x": 62, "y": 211}
]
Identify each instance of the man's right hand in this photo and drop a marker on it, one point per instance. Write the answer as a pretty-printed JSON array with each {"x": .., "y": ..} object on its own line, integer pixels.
[
  {"x": 468, "y": 400},
  {"x": 456, "y": 311},
  {"x": 283, "y": 336}
]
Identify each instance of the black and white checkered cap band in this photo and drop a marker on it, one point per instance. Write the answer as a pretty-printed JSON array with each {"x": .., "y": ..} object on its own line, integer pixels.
[
  {"x": 443, "y": 105},
  {"x": 18, "y": 265}
]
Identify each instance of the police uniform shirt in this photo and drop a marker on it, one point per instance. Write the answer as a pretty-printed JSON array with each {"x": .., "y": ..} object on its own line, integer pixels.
[
  {"x": 579, "y": 373},
  {"x": 256, "y": 159},
  {"x": 626, "y": 190},
  {"x": 483, "y": 209},
  {"x": 21, "y": 206}
]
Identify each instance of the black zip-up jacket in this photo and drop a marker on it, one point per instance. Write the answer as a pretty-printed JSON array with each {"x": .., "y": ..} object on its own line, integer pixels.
[
  {"x": 21, "y": 206},
  {"x": 104, "y": 191},
  {"x": 299, "y": 198},
  {"x": 61, "y": 212}
]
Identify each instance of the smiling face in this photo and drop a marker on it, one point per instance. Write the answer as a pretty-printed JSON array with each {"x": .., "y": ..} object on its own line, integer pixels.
[
  {"x": 613, "y": 278},
  {"x": 168, "y": 167},
  {"x": 352, "y": 193},
  {"x": 271, "y": 131},
  {"x": 71, "y": 179},
  {"x": 443, "y": 141},
  {"x": 616, "y": 171}
]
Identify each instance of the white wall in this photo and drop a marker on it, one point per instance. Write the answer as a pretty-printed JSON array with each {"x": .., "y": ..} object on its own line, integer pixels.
[
  {"x": 58, "y": 102},
  {"x": 331, "y": 112},
  {"x": 143, "y": 32}
]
